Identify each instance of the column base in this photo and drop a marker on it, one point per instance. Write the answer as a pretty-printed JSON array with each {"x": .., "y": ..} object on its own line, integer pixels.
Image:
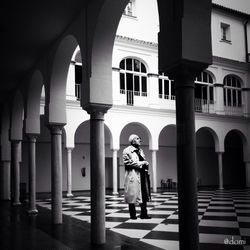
[
  {"x": 16, "y": 204},
  {"x": 32, "y": 212},
  {"x": 221, "y": 188},
  {"x": 115, "y": 193},
  {"x": 69, "y": 195}
]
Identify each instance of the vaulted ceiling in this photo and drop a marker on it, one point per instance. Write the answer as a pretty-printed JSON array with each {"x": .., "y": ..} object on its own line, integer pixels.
[{"x": 27, "y": 30}]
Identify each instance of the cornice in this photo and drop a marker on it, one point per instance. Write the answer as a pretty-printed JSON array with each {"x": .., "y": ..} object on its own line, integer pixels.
[
  {"x": 233, "y": 63},
  {"x": 136, "y": 41},
  {"x": 231, "y": 11}
]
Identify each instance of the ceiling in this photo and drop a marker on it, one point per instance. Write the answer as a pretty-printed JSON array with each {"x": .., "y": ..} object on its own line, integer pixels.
[{"x": 27, "y": 30}]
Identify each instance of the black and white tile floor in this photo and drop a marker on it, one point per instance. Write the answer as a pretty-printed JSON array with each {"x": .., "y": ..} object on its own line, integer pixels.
[{"x": 224, "y": 218}]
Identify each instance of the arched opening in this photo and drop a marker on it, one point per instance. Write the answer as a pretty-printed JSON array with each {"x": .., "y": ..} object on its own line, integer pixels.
[
  {"x": 81, "y": 158},
  {"x": 140, "y": 130},
  {"x": 166, "y": 158},
  {"x": 233, "y": 165},
  {"x": 207, "y": 160}
]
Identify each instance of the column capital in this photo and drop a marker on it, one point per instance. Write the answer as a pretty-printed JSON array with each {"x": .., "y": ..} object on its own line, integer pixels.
[
  {"x": 97, "y": 111},
  {"x": 15, "y": 141},
  {"x": 55, "y": 129},
  {"x": 186, "y": 70},
  {"x": 32, "y": 137}
]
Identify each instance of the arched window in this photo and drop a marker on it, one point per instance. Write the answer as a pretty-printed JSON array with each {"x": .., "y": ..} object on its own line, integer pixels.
[
  {"x": 133, "y": 79},
  {"x": 204, "y": 92},
  {"x": 166, "y": 87},
  {"x": 232, "y": 91},
  {"x": 78, "y": 75}
]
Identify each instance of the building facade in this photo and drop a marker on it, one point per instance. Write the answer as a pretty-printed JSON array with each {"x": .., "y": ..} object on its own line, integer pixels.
[{"x": 144, "y": 103}]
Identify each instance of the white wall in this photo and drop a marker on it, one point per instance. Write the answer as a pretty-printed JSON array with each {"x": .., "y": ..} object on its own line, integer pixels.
[{"x": 234, "y": 50}]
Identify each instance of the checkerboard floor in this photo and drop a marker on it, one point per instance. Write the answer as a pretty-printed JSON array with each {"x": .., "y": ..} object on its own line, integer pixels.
[{"x": 224, "y": 218}]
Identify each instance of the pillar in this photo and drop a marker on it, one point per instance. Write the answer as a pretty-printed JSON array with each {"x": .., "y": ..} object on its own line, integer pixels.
[
  {"x": 115, "y": 190},
  {"x": 247, "y": 167},
  {"x": 32, "y": 174},
  {"x": 56, "y": 172},
  {"x": 15, "y": 169},
  {"x": 153, "y": 90},
  {"x": 5, "y": 182},
  {"x": 186, "y": 161},
  {"x": 245, "y": 101},
  {"x": 154, "y": 166},
  {"x": 69, "y": 172},
  {"x": 219, "y": 99},
  {"x": 220, "y": 165},
  {"x": 97, "y": 164}
]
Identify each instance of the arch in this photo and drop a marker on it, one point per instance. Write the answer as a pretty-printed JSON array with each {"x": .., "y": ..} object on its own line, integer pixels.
[
  {"x": 32, "y": 109},
  {"x": 140, "y": 125},
  {"x": 136, "y": 58},
  {"x": 102, "y": 31},
  {"x": 56, "y": 106},
  {"x": 167, "y": 127},
  {"x": 215, "y": 137},
  {"x": 109, "y": 133},
  {"x": 244, "y": 141},
  {"x": 166, "y": 156},
  {"x": 207, "y": 144},
  {"x": 234, "y": 76},
  {"x": 233, "y": 159}
]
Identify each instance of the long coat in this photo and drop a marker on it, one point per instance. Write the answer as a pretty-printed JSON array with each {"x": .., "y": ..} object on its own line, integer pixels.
[{"x": 136, "y": 184}]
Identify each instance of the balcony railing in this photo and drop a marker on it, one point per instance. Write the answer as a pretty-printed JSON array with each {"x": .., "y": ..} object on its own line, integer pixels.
[
  {"x": 233, "y": 110},
  {"x": 78, "y": 91},
  {"x": 203, "y": 106}
]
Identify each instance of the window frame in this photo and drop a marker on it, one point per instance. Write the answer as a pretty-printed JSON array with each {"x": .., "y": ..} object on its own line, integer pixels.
[
  {"x": 165, "y": 85},
  {"x": 231, "y": 91},
  {"x": 225, "y": 32},
  {"x": 139, "y": 78}
]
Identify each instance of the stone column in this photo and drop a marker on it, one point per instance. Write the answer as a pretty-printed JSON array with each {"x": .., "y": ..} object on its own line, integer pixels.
[
  {"x": 186, "y": 160},
  {"x": 32, "y": 174},
  {"x": 97, "y": 164},
  {"x": 56, "y": 172},
  {"x": 153, "y": 90},
  {"x": 219, "y": 99},
  {"x": 5, "y": 182},
  {"x": 115, "y": 171},
  {"x": 15, "y": 169},
  {"x": 220, "y": 165},
  {"x": 154, "y": 167},
  {"x": 69, "y": 172},
  {"x": 247, "y": 167}
]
